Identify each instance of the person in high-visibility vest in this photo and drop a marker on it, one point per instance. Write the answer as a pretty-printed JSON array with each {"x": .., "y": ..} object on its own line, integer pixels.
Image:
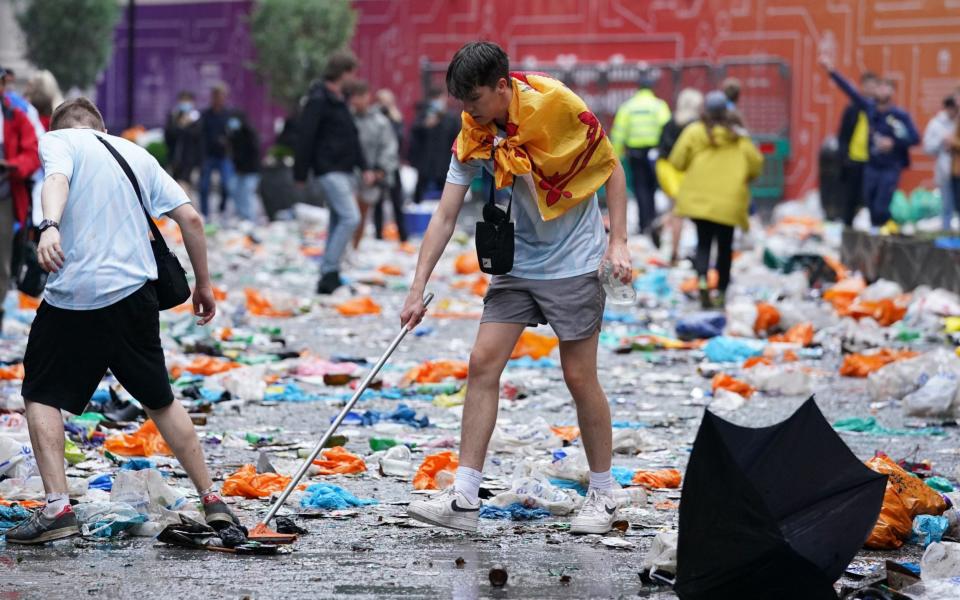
[{"x": 636, "y": 131}]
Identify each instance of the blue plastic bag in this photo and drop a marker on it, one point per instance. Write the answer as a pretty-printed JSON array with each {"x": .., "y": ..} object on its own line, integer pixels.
[
  {"x": 730, "y": 349},
  {"x": 322, "y": 495},
  {"x": 701, "y": 325},
  {"x": 513, "y": 512},
  {"x": 928, "y": 529}
]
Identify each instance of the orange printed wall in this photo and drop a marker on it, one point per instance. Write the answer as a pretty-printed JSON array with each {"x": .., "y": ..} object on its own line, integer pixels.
[{"x": 914, "y": 42}]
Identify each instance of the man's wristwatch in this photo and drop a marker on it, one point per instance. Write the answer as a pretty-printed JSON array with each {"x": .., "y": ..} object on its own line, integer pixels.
[{"x": 47, "y": 224}]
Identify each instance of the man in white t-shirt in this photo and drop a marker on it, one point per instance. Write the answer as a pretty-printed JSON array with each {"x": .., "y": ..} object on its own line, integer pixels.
[
  {"x": 100, "y": 309},
  {"x": 554, "y": 150}
]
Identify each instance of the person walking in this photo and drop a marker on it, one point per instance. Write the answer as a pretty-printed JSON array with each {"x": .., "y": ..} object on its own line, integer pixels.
[
  {"x": 328, "y": 146},
  {"x": 183, "y": 136},
  {"x": 689, "y": 109},
  {"x": 18, "y": 162},
  {"x": 852, "y": 144},
  {"x": 531, "y": 125},
  {"x": 936, "y": 143},
  {"x": 718, "y": 161},
  {"x": 387, "y": 104},
  {"x": 379, "y": 144},
  {"x": 244, "y": 146},
  {"x": 433, "y": 131},
  {"x": 636, "y": 131},
  {"x": 213, "y": 128},
  {"x": 953, "y": 143},
  {"x": 100, "y": 310},
  {"x": 892, "y": 133}
]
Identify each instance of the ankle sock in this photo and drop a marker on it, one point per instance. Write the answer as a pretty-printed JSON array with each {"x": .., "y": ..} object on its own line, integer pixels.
[
  {"x": 468, "y": 483},
  {"x": 55, "y": 504},
  {"x": 602, "y": 482}
]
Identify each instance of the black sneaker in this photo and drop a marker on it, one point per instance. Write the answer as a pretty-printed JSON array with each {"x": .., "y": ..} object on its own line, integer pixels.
[
  {"x": 329, "y": 283},
  {"x": 38, "y": 529},
  {"x": 216, "y": 512}
]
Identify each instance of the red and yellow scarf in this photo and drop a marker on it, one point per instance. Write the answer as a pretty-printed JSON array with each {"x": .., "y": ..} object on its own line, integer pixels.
[{"x": 552, "y": 136}]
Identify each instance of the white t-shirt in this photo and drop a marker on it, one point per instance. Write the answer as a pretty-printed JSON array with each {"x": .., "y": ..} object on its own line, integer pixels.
[
  {"x": 570, "y": 245},
  {"x": 103, "y": 231}
]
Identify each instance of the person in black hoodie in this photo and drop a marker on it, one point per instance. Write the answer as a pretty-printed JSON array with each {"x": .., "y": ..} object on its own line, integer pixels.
[
  {"x": 852, "y": 143},
  {"x": 245, "y": 149},
  {"x": 431, "y": 138},
  {"x": 328, "y": 146}
]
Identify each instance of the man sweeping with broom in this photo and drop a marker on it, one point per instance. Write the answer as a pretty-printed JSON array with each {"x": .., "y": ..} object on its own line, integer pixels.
[{"x": 551, "y": 149}]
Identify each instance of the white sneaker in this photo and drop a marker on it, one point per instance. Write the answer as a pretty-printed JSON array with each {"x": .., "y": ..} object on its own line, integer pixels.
[
  {"x": 597, "y": 515},
  {"x": 449, "y": 508}
]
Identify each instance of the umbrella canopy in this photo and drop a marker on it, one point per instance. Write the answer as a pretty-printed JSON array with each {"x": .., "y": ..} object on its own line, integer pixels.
[{"x": 773, "y": 512}]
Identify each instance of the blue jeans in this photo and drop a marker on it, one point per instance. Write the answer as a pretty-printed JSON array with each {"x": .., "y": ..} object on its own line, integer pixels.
[
  {"x": 879, "y": 186},
  {"x": 224, "y": 166},
  {"x": 339, "y": 189},
  {"x": 245, "y": 195},
  {"x": 948, "y": 197}
]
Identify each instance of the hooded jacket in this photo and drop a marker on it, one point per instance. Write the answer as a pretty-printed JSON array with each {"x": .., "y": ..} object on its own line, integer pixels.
[
  {"x": 938, "y": 130},
  {"x": 20, "y": 152},
  {"x": 716, "y": 174}
]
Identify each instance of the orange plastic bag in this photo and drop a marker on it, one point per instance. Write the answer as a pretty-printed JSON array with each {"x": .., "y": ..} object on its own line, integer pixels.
[
  {"x": 338, "y": 461},
  {"x": 692, "y": 284},
  {"x": 248, "y": 483},
  {"x": 726, "y": 382},
  {"x": 467, "y": 264},
  {"x": 145, "y": 441},
  {"x": 886, "y": 312},
  {"x": 426, "y": 476},
  {"x": 13, "y": 372},
  {"x": 665, "y": 478},
  {"x": 798, "y": 334},
  {"x": 845, "y": 292},
  {"x": 355, "y": 307},
  {"x": 210, "y": 365},
  {"x": 767, "y": 317},
  {"x": 906, "y": 497},
  {"x": 861, "y": 365},
  {"x": 261, "y": 307},
  {"x": 534, "y": 345},
  {"x": 478, "y": 286},
  {"x": 567, "y": 433},
  {"x": 392, "y": 270},
  {"x": 757, "y": 360},
  {"x": 435, "y": 371}
]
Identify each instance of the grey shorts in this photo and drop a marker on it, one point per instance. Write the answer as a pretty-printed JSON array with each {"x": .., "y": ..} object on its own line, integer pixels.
[{"x": 573, "y": 306}]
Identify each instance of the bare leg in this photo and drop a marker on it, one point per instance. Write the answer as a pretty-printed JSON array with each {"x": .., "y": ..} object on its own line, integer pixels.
[
  {"x": 358, "y": 234},
  {"x": 579, "y": 361},
  {"x": 491, "y": 351},
  {"x": 675, "y": 225},
  {"x": 177, "y": 430},
  {"x": 46, "y": 436}
]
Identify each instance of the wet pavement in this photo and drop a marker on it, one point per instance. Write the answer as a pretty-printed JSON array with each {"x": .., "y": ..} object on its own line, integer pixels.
[{"x": 375, "y": 552}]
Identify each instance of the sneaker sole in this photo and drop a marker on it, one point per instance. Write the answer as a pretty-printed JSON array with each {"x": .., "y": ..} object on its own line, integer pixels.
[
  {"x": 590, "y": 529},
  {"x": 50, "y": 536},
  {"x": 460, "y": 524}
]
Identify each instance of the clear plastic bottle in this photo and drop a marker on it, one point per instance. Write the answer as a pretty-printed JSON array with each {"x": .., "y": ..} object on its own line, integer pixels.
[
  {"x": 617, "y": 291},
  {"x": 630, "y": 497}
]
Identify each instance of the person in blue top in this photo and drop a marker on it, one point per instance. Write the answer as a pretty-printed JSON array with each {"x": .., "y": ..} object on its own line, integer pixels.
[{"x": 892, "y": 133}]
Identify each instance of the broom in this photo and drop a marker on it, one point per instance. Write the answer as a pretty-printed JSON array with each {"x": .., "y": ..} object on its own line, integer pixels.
[{"x": 262, "y": 532}]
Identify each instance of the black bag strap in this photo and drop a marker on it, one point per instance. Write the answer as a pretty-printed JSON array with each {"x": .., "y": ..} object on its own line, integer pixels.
[
  {"x": 493, "y": 183},
  {"x": 157, "y": 236}
]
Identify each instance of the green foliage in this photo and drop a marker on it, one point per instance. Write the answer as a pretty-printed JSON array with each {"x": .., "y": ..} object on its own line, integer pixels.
[
  {"x": 73, "y": 40},
  {"x": 293, "y": 39}
]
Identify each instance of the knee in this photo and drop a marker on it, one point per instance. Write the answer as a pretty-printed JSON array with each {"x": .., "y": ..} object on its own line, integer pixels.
[
  {"x": 483, "y": 368},
  {"x": 579, "y": 379}
]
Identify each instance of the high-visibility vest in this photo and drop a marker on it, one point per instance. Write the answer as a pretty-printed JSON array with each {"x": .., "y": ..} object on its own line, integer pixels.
[{"x": 639, "y": 121}]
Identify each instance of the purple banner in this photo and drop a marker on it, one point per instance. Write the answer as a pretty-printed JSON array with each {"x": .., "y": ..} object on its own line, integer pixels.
[{"x": 185, "y": 46}]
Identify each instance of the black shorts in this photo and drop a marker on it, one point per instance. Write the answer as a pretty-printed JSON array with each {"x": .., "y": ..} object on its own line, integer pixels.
[{"x": 69, "y": 352}]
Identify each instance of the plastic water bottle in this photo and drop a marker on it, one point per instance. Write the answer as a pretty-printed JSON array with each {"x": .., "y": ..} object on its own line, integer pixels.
[{"x": 617, "y": 291}]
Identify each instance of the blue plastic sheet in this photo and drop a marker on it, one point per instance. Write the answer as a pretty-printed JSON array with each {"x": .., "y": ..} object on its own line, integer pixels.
[
  {"x": 526, "y": 362},
  {"x": 137, "y": 464},
  {"x": 402, "y": 414},
  {"x": 730, "y": 349},
  {"x": 101, "y": 482},
  {"x": 566, "y": 484},
  {"x": 928, "y": 529},
  {"x": 322, "y": 495},
  {"x": 11, "y": 515},
  {"x": 701, "y": 325},
  {"x": 513, "y": 512},
  {"x": 653, "y": 282},
  {"x": 623, "y": 475}
]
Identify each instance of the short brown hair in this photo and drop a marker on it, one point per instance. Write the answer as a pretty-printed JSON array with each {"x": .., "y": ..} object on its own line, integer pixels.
[
  {"x": 79, "y": 112},
  {"x": 340, "y": 63},
  {"x": 731, "y": 89},
  {"x": 358, "y": 87}
]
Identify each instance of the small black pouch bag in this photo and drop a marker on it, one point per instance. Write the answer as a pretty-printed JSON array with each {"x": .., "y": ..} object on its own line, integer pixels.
[{"x": 494, "y": 235}]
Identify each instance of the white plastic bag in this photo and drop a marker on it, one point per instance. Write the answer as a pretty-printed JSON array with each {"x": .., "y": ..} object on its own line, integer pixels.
[
  {"x": 663, "y": 554},
  {"x": 902, "y": 377},
  {"x": 934, "y": 399},
  {"x": 880, "y": 290},
  {"x": 245, "y": 383},
  {"x": 535, "y": 491},
  {"x": 147, "y": 493},
  {"x": 940, "y": 561},
  {"x": 786, "y": 380},
  {"x": 726, "y": 400},
  {"x": 741, "y": 317},
  {"x": 16, "y": 459}
]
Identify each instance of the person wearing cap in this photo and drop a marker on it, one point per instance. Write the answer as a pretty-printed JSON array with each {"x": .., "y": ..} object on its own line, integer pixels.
[
  {"x": 636, "y": 131},
  {"x": 719, "y": 161},
  {"x": 936, "y": 143}
]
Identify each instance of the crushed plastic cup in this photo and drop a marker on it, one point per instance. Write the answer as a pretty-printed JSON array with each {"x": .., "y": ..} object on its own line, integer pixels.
[
  {"x": 630, "y": 497},
  {"x": 397, "y": 462},
  {"x": 618, "y": 292}
]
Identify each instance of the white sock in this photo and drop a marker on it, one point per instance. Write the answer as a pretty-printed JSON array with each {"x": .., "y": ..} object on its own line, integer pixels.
[
  {"x": 468, "y": 483},
  {"x": 602, "y": 482},
  {"x": 55, "y": 503}
]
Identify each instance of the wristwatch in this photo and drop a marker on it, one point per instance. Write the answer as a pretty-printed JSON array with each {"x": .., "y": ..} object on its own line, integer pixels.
[{"x": 47, "y": 224}]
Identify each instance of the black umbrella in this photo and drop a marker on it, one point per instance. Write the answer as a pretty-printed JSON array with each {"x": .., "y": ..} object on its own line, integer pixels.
[{"x": 775, "y": 512}]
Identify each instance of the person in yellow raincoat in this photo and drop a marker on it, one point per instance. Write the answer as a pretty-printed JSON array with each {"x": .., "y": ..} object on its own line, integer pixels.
[{"x": 719, "y": 161}]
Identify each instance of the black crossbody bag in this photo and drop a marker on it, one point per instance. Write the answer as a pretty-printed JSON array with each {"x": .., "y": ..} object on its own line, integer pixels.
[
  {"x": 494, "y": 235},
  {"x": 171, "y": 284}
]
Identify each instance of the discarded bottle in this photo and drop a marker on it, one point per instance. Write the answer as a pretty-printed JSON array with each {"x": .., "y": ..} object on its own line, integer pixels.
[
  {"x": 617, "y": 291},
  {"x": 630, "y": 497},
  {"x": 445, "y": 479},
  {"x": 377, "y": 444}
]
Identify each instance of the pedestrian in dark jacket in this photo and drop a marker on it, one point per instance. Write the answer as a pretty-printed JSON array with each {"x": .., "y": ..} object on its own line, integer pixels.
[
  {"x": 184, "y": 139},
  {"x": 216, "y": 157},
  {"x": 329, "y": 147},
  {"x": 431, "y": 138},
  {"x": 245, "y": 149},
  {"x": 853, "y": 146},
  {"x": 892, "y": 133}
]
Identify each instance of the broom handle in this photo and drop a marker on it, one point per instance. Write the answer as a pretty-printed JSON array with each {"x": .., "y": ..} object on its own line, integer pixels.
[{"x": 340, "y": 417}]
